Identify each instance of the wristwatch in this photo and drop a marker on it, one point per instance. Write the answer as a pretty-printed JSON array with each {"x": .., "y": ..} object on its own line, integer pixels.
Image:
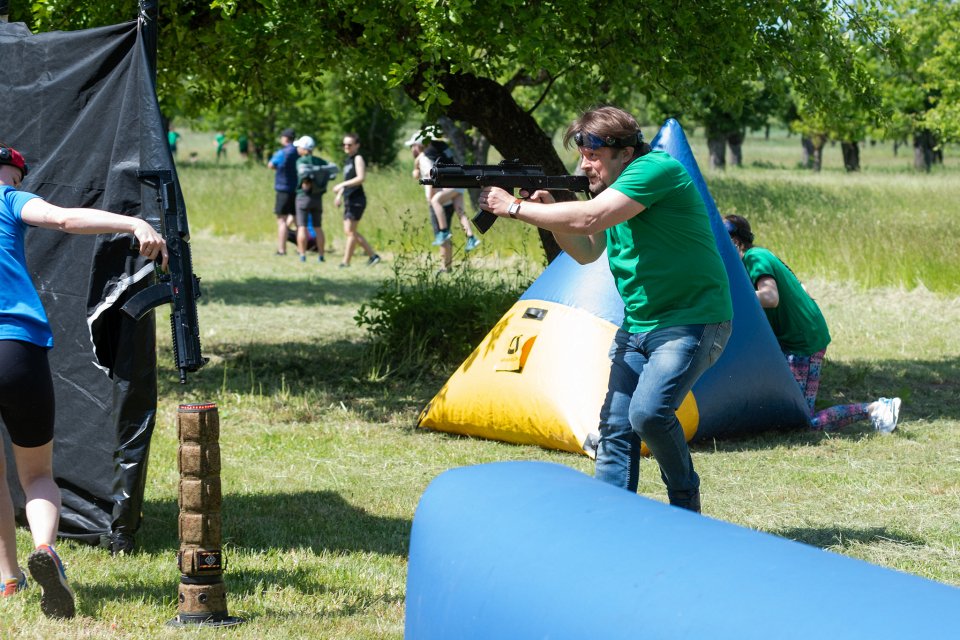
[{"x": 514, "y": 207}]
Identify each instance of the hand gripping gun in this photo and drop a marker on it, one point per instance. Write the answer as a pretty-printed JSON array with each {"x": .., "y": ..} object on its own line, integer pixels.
[{"x": 179, "y": 286}]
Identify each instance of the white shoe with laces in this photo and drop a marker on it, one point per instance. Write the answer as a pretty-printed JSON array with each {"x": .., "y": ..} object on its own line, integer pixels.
[{"x": 885, "y": 415}]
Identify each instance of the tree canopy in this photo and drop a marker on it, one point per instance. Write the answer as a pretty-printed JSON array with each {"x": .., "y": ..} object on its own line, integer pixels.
[
  {"x": 493, "y": 64},
  {"x": 489, "y": 64}
]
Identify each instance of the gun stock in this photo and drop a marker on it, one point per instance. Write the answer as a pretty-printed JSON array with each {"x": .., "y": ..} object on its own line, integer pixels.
[
  {"x": 507, "y": 175},
  {"x": 179, "y": 286}
]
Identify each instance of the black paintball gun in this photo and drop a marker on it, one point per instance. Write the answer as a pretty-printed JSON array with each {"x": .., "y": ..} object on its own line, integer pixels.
[
  {"x": 178, "y": 286},
  {"x": 509, "y": 175}
]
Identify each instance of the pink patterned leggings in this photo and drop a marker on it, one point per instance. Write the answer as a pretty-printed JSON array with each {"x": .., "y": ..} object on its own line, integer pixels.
[{"x": 806, "y": 371}]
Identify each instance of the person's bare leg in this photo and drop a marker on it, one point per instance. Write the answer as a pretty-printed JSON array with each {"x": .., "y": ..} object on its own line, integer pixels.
[
  {"x": 446, "y": 255},
  {"x": 321, "y": 242},
  {"x": 281, "y": 234},
  {"x": 35, "y": 470},
  {"x": 8, "y": 532},
  {"x": 350, "y": 245},
  {"x": 302, "y": 240},
  {"x": 462, "y": 213},
  {"x": 364, "y": 244},
  {"x": 438, "y": 201}
]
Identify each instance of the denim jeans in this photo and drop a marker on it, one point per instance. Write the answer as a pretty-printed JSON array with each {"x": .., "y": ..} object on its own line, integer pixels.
[{"x": 650, "y": 376}]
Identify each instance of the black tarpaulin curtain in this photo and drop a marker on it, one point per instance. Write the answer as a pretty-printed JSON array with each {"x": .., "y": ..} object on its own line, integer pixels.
[{"x": 81, "y": 106}]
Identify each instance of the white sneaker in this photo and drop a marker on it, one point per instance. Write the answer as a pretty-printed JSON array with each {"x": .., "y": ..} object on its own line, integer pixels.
[{"x": 886, "y": 414}]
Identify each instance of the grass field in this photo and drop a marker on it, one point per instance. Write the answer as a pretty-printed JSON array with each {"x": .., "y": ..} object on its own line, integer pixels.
[{"x": 323, "y": 466}]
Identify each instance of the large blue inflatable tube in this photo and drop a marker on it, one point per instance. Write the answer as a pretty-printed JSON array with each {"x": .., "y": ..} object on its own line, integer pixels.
[{"x": 536, "y": 550}]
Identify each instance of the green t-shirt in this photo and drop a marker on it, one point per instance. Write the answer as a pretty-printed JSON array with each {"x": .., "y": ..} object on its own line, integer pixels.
[
  {"x": 796, "y": 321},
  {"x": 315, "y": 171},
  {"x": 665, "y": 260}
]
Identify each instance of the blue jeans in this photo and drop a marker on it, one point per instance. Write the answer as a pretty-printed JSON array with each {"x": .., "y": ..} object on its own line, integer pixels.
[{"x": 650, "y": 376}]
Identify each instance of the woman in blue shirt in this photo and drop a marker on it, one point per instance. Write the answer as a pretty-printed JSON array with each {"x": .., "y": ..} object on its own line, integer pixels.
[{"x": 26, "y": 387}]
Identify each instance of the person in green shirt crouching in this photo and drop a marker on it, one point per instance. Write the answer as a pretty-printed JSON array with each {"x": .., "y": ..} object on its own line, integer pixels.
[{"x": 801, "y": 330}]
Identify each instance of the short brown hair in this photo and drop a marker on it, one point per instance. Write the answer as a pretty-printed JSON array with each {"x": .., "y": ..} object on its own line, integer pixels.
[
  {"x": 739, "y": 228},
  {"x": 606, "y": 121}
]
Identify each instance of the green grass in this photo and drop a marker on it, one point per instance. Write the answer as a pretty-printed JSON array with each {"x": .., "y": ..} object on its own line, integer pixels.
[
  {"x": 323, "y": 466},
  {"x": 883, "y": 226}
]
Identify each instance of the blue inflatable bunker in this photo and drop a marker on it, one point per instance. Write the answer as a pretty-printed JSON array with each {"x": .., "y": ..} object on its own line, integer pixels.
[
  {"x": 540, "y": 375},
  {"x": 524, "y": 550}
]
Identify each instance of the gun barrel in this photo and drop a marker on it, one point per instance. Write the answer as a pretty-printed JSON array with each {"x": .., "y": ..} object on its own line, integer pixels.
[{"x": 506, "y": 175}]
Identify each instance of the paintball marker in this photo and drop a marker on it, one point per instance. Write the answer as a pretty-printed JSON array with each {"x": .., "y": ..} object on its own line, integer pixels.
[
  {"x": 507, "y": 175},
  {"x": 179, "y": 286}
]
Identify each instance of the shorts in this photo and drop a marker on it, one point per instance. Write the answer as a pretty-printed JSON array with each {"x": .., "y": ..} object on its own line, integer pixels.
[
  {"x": 448, "y": 212},
  {"x": 354, "y": 206},
  {"x": 309, "y": 205},
  {"x": 285, "y": 205},
  {"x": 26, "y": 393}
]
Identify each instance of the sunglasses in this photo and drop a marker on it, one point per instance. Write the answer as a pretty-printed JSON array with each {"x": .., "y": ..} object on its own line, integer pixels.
[{"x": 589, "y": 141}]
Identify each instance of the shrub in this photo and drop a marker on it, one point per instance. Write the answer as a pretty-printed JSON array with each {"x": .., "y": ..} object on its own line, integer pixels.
[{"x": 421, "y": 321}]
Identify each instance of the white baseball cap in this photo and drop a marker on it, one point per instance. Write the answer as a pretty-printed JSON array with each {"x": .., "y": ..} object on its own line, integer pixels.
[
  {"x": 415, "y": 138},
  {"x": 305, "y": 142}
]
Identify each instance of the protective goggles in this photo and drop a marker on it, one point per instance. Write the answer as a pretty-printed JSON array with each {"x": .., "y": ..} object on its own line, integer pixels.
[
  {"x": 589, "y": 141},
  {"x": 13, "y": 158}
]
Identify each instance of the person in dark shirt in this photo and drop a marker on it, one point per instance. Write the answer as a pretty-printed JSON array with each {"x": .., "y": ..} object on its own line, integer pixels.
[{"x": 350, "y": 195}]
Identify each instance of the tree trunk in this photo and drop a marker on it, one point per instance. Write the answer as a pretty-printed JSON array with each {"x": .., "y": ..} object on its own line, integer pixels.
[
  {"x": 735, "y": 140},
  {"x": 807, "y": 145},
  {"x": 818, "y": 142},
  {"x": 466, "y": 150},
  {"x": 717, "y": 146},
  {"x": 923, "y": 150},
  {"x": 851, "y": 155},
  {"x": 490, "y": 107},
  {"x": 459, "y": 141}
]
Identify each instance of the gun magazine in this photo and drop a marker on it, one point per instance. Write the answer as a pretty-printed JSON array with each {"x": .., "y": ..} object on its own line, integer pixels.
[{"x": 483, "y": 221}]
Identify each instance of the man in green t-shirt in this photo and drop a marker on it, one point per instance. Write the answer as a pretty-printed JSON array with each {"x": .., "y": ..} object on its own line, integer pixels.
[
  {"x": 649, "y": 218},
  {"x": 173, "y": 137},
  {"x": 802, "y": 333},
  {"x": 220, "y": 140}
]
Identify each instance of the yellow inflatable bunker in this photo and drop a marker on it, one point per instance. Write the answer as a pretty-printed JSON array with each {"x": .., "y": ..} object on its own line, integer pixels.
[{"x": 540, "y": 375}]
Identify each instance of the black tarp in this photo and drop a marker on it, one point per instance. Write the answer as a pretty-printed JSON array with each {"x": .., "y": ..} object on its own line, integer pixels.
[{"x": 82, "y": 108}]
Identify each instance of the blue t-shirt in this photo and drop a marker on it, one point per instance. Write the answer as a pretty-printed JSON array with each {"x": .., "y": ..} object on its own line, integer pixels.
[
  {"x": 285, "y": 162},
  {"x": 21, "y": 313}
]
